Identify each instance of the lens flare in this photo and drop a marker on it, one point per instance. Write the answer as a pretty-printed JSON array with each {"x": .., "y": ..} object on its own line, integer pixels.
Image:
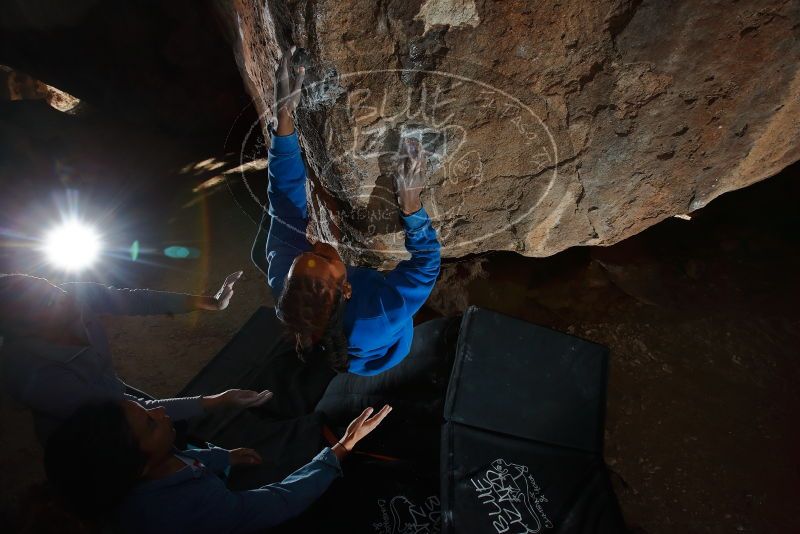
[{"x": 72, "y": 246}]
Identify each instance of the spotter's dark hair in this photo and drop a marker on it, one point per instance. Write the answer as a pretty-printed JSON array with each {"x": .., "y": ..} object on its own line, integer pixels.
[{"x": 93, "y": 459}]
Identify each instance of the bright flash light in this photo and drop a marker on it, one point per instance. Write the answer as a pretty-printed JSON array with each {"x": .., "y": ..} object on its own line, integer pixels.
[{"x": 72, "y": 246}]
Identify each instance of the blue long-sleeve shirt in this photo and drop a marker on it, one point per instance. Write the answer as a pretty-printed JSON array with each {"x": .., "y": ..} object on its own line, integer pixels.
[
  {"x": 196, "y": 500},
  {"x": 378, "y": 318}
]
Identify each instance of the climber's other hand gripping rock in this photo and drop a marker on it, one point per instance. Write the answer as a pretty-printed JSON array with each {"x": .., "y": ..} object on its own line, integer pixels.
[
  {"x": 410, "y": 177},
  {"x": 287, "y": 93}
]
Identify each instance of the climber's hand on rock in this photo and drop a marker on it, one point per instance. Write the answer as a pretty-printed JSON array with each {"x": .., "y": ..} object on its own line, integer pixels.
[
  {"x": 410, "y": 177},
  {"x": 287, "y": 93}
]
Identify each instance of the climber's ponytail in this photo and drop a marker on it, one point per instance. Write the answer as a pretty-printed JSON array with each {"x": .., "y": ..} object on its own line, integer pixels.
[{"x": 300, "y": 305}]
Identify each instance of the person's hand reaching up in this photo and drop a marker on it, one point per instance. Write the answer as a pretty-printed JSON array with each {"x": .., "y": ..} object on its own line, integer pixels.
[
  {"x": 222, "y": 298},
  {"x": 358, "y": 429}
]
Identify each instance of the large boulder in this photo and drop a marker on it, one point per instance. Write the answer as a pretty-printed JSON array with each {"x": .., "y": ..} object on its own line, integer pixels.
[{"x": 549, "y": 124}]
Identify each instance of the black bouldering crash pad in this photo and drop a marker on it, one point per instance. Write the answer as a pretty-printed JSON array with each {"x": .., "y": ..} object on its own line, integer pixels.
[
  {"x": 522, "y": 445},
  {"x": 521, "y": 379}
]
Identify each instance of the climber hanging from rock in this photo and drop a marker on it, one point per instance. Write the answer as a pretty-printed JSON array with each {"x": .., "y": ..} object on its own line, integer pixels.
[{"x": 355, "y": 318}]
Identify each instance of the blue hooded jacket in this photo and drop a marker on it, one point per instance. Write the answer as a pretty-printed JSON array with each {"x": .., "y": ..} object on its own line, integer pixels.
[{"x": 378, "y": 318}]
